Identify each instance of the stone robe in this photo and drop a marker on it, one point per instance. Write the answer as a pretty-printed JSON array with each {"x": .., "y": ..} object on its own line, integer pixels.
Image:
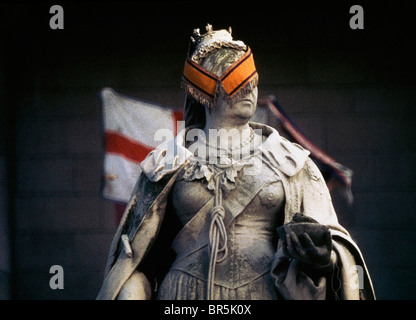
[{"x": 151, "y": 226}]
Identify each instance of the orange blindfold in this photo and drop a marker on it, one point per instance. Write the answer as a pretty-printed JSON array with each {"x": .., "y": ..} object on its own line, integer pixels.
[{"x": 232, "y": 80}]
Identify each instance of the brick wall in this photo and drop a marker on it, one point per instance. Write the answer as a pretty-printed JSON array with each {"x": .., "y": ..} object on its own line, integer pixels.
[{"x": 356, "y": 103}]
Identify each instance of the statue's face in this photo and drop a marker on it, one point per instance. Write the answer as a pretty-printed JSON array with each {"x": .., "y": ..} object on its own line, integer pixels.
[{"x": 243, "y": 108}]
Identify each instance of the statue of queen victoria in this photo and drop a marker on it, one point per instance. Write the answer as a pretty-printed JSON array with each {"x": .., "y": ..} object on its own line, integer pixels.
[{"x": 229, "y": 209}]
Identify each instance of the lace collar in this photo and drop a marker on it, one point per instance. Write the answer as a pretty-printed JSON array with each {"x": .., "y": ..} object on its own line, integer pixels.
[{"x": 199, "y": 169}]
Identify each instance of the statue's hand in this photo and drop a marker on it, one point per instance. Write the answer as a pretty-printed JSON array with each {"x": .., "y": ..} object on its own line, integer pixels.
[{"x": 307, "y": 241}]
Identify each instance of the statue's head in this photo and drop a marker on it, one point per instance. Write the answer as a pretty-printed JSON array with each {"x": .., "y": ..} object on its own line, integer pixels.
[{"x": 219, "y": 73}]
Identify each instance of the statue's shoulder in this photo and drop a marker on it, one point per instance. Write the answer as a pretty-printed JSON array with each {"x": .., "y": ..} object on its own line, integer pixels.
[{"x": 287, "y": 156}]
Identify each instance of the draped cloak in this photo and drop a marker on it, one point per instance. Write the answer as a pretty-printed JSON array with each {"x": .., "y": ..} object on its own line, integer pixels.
[{"x": 148, "y": 221}]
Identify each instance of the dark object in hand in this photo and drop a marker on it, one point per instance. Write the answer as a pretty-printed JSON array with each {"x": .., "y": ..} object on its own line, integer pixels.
[{"x": 307, "y": 241}]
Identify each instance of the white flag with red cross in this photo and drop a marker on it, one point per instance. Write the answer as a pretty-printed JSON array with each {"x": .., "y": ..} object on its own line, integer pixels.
[{"x": 130, "y": 126}]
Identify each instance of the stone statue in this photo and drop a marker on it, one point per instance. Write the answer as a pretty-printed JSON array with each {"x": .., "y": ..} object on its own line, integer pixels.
[{"x": 229, "y": 209}]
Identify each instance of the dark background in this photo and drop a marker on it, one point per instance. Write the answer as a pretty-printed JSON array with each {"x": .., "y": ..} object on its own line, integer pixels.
[{"x": 352, "y": 92}]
